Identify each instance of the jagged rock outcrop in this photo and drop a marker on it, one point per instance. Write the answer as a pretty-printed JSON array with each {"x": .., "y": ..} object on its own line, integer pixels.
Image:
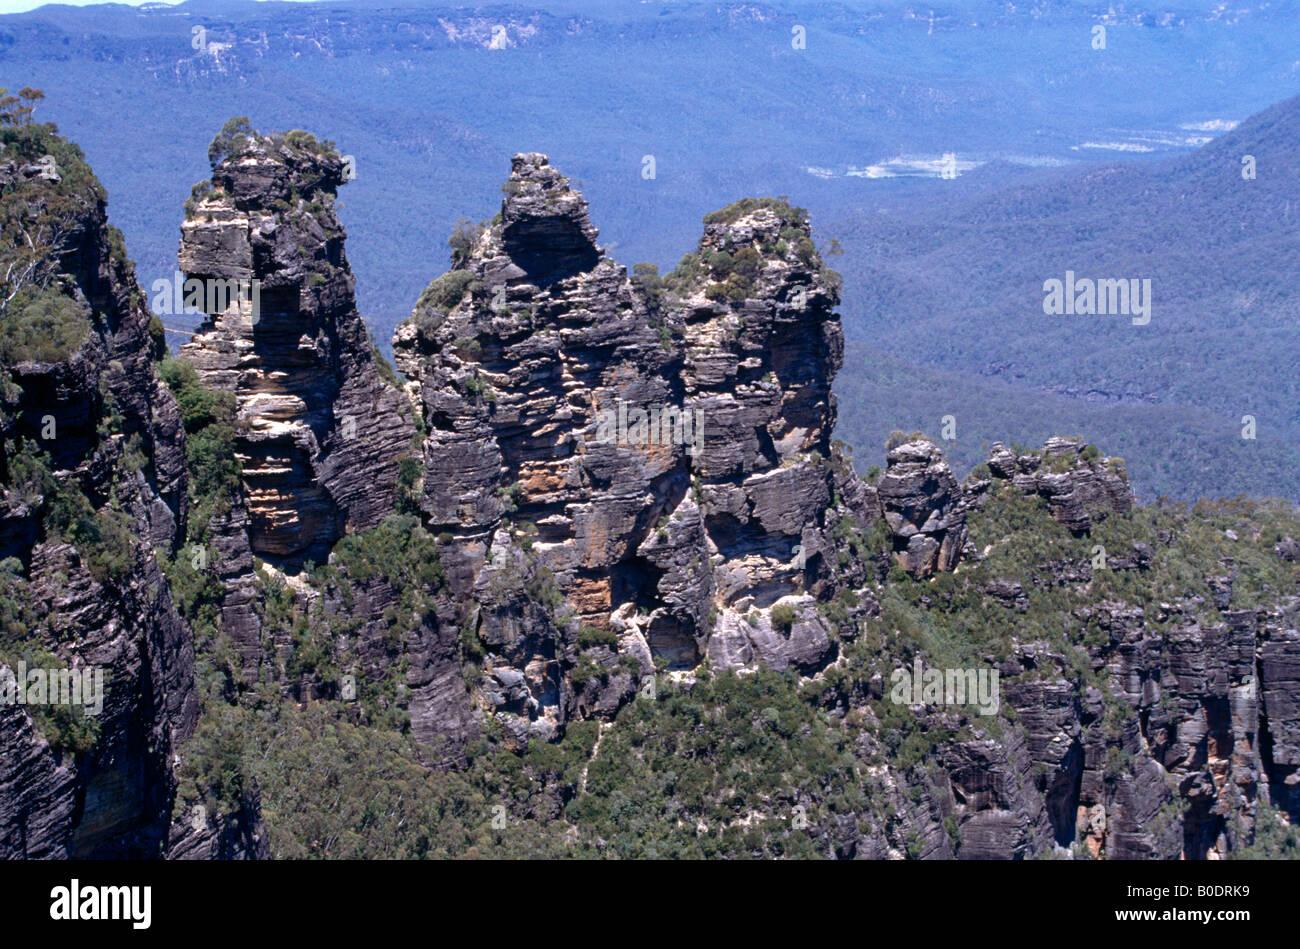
[
  {"x": 1169, "y": 757},
  {"x": 323, "y": 432},
  {"x": 92, "y": 454},
  {"x": 924, "y": 507},
  {"x": 1077, "y": 482},
  {"x": 514, "y": 359},
  {"x": 625, "y": 484},
  {"x": 762, "y": 347},
  {"x": 664, "y": 457},
  {"x": 1172, "y": 753}
]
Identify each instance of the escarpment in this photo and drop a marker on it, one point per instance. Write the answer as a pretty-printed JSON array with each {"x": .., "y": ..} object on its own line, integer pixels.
[
  {"x": 321, "y": 432},
  {"x": 595, "y": 490},
  {"x": 635, "y": 474},
  {"x": 92, "y": 465},
  {"x": 658, "y": 451}
]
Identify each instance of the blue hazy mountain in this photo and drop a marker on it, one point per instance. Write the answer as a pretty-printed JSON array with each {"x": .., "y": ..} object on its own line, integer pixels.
[
  {"x": 958, "y": 287},
  {"x": 848, "y": 108},
  {"x": 715, "y": 92}
]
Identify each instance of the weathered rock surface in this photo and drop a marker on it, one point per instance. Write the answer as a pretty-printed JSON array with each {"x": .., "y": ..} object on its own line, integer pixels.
[
  {"x": 1078, "y": 485},
  {"x": 112, "y": 435},
  {"x": 665, "y": 459},
  {"x": 618, "y": 476},
  {"x": 923, "y": 506},
  {"x": 323, "y": 432}
]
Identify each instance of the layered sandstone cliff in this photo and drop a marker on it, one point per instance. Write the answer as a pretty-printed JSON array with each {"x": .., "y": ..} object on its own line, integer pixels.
[
  {"x": 322, "y": 431},
  {"x": 94, "y": 481},
  {"x": 588, "y": 547},
  {"x": 663, "y": 459},
  {"x": 622, "y": 485}
]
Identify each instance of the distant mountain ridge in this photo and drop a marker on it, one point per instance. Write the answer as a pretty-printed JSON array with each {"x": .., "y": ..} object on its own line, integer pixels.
[
  {"x": 960, "y": 289},
  {"x": 418, "y": 96}
]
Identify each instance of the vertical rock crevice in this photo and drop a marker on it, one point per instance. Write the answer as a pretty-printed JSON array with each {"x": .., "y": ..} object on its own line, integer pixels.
[{"x": 322, "y": 432}]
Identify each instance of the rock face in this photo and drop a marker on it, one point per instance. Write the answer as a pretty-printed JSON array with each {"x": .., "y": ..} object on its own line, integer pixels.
[
  {"x": 1077, "y": 485},
  {"x": 231, "y": 560},
  {"x": 1278, "y": 702},
  {"x": 1169, "y": 764},
  {"x": 924, "y": 508},
  {"x": 96, "y": 433},
  {"x": 663, "y": 460},
  {"x": 1170, "y": 756},
  {"x": 621, "y": 483},
  {"x": 323, "y": 433}
]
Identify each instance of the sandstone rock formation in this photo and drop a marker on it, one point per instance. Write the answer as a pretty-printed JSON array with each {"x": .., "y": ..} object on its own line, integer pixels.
[
  {"x": 323, "y": 431},
  {"x": 1076, "y": 485},
  {"x": 620, "y": 483},
  {"x": 93, "y": 468},
  {"x": 664, "y": 458},
  {"x": 924, "y": 508}
]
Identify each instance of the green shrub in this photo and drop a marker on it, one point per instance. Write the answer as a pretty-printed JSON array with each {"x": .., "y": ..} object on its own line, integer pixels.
[
  {"x": 208, "y": 416},
  {"x": 232, "y": 138},
  {"x": 200, "y": 406},
  {"x": 67, "y": 727},
  {"x": 735, "y": 211},
  {"x": 589, "y": 636},
  {"x": 897, "y": 438},
  {"x": 462, "y": 240},
  {"x": 385, "y": 368},
  {"x": 783, "y": 616},
  {"x": 306, "y": 141},
  {"x": 467, "y": 347},
  {"x": 409, "y": 472},
  {"x": 446, "y": 291},
  {"x": 41, "y": 326},
  {"x": 720, "y": 263},
  {"x": 104, "y": 538},
  {"x": 646, "y": 275}
]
